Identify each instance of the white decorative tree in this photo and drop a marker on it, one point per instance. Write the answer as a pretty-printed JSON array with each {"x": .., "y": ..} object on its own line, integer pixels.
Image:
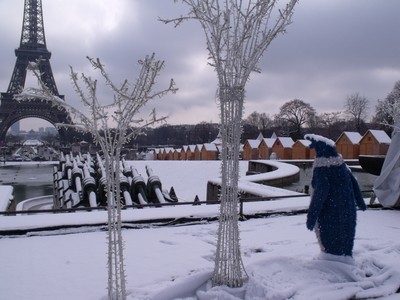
[
  {"x": 112, "y": 124},
  {"x": 237, "y": 34}
]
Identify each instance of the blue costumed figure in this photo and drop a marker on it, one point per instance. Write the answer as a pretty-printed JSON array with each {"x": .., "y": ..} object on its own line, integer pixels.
[{"x": 332, "y": 211}]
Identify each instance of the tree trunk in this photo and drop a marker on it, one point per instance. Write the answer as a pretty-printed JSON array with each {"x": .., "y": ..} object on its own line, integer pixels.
[{"x": 228, "y": 262}]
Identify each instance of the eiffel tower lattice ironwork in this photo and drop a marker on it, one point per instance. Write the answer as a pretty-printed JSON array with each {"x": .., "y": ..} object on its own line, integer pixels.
[{"x": 32, "y": 49}]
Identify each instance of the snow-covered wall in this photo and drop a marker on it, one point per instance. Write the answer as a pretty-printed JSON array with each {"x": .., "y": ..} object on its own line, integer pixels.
[
  {"x": 6, "y": 195},
  {"x": 255, "y": 184}
]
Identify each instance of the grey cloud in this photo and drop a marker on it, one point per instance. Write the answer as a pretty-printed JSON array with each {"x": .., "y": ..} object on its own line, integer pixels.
[{"x": 332, "y": 49}]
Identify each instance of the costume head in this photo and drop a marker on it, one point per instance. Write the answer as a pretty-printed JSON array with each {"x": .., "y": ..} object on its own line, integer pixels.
[{"x": 323, "y": 146}]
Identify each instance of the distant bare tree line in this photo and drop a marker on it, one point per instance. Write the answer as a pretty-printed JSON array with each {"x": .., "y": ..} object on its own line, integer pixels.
[
  {"x": 297, "y": 117},
  {"x": 353, "y": 117}
]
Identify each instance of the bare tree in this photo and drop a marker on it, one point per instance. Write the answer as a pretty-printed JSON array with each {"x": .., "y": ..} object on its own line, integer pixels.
[
  {"x": 237, "y": 34},
  {"x": 111, "y": 125},
  {"x": 296, "y": 113},
  {"x": 356, "y": 106},
  {"x": 331, "y": 123},
  {"x": 260, "y": 120}
]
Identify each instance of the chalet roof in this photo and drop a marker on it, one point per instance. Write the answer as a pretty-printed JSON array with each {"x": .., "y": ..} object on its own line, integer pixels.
[
  {"x": 269, "y": 142},
  {"x": 380, "y": 135},
  {"x": 260, "y": 137},
  {"x": 218, "y": 139},
  {"x": 168, "y": 149},
  {"x": 305, "y": 143},
  {"x": 210, "y": 147},
  {"x": 191, "y": 148},
  {"x": 354, "y": 137},
  {"x": 253, "y": 143},
  {"x": 286, "y": 142}
]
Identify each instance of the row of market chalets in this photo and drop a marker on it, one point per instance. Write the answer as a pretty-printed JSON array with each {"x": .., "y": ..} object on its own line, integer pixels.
[{"x": 349, "y": 144}]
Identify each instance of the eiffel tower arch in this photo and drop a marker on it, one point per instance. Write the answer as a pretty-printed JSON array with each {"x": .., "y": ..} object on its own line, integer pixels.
[{"x": 32, "y": 49}]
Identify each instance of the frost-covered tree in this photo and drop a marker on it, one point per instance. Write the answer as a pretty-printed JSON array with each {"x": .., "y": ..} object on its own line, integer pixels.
[
  {"x": 237, "y": 34},
  {"x": 388, "y": 110},
  {"x": 112, "y": 123}
]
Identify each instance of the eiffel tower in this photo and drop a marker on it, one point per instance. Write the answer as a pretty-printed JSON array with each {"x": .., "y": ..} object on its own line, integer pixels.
[{"x": 32, "y": 49}]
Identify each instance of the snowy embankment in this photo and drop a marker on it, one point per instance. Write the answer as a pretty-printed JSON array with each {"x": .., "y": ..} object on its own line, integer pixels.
[{"x": 163, "y": 261}]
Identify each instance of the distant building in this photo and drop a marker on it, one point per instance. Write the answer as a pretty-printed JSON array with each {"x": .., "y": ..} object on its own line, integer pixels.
[
  {"x": 374, "y": 142},
  {"x": 265, "y": 147},
  {"x": 283, "y": 147},
  {"x": 348, "y": 144},
  {"x": 250, "y": 150},
  {"x": 209, "y": 151},
  {"x": 301, "y": 150}
]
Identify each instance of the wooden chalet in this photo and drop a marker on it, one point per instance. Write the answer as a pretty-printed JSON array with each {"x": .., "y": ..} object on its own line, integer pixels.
[
  {"x": 250, "y": 149},
  {"x": 168, "y": 153},
  {"x": 265, "y": 147},
  {"x": 301, "y": 150},
  {"x": 183, "y": 152},
  {"x": 374, "y": 142},
  {"x": 177, "y": 154},
  {"x": 283, "y": 147},
  {"x": 190, "y": 152},
  {"x": 156, "y": 154},
  {"x": 209, "y": 151},
  {"x": 348, "y": 144},
  {"x": 197, "y": 152}
]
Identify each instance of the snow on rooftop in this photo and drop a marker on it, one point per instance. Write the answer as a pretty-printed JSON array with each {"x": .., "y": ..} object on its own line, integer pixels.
[
  {"x": 168, "y": 149},
  {"x": 210, "y": 147},
  {"x": 218, "y": 140},
  {"x": 381, "y": 136},
  {"x": 306, "y": 143},
  {"x": 287, "y": 142},
  {"x": 253, "y": 143},
  {"x": 354, "y": 137},
  {"x": 269, "y": 142}
]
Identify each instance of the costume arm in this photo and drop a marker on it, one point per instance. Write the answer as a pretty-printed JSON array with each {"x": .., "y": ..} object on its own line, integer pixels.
[
  {"x": 320, "y": 194},
  {"x": 357, "y": 193}
]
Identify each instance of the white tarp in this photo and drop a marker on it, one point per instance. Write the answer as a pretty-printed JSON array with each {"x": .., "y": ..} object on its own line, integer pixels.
[{"x": 387, "y": 185}]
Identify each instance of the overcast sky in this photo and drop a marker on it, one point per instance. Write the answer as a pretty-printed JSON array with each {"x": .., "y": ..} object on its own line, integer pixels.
[{"x": 332, "y": 49}]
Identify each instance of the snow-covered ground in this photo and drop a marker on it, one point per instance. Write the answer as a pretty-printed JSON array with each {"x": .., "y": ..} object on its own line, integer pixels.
[{"x": 175, "y": 261}]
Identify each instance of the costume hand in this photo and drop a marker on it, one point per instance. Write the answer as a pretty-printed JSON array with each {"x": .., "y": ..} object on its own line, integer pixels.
[{"x": 310, "y": 224}]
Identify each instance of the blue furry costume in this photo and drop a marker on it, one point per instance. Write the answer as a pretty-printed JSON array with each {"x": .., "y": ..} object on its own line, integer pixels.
[{"x": 332, "y": 211}]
